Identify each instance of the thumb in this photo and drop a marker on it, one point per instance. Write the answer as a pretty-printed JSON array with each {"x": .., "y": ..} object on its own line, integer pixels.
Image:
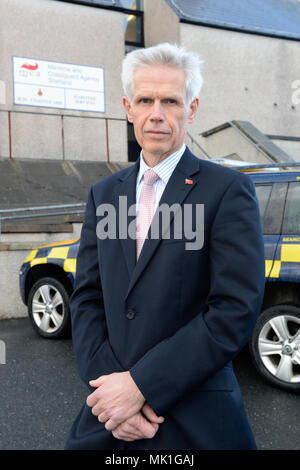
[
  {"x": 97, "y": 382},
  {"x": 151, "y": 415}
]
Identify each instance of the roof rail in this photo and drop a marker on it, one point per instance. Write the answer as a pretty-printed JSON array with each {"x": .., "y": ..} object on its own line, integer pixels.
[
  {"x": 231, "y": 162},
  {"x": 266, "y": 165}
]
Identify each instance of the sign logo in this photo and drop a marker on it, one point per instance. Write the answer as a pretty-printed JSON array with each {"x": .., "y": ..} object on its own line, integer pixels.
[{"x": 30, "y": 66}]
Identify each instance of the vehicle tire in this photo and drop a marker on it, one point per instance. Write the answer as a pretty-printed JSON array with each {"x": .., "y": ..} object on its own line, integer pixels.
[
  {"x": 275, "y": 346},
  {"x": 48, "y": 308}
]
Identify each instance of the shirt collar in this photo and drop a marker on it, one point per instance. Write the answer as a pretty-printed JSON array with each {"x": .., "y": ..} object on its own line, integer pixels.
[{"x": 163, "y": 169}]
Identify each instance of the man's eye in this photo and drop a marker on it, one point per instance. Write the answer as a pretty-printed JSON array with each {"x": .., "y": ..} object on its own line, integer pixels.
[
  {"x": 144, "y": 100},
  {"x": 172, "y": 101}
]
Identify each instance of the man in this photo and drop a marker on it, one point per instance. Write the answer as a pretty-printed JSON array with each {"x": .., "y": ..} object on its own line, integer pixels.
[{"x": 157, "y": 320}]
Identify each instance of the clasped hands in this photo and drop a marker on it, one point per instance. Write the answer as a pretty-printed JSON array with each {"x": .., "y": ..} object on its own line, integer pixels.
[{"x": 118, "y": 402}]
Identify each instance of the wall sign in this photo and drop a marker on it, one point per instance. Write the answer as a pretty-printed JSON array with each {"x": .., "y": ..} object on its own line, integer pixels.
[{"x": 58, "y": 85}]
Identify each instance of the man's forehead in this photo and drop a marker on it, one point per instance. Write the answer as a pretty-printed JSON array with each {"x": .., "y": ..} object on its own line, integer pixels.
[
  {"x": 151, "y": 88},
  {"x": 153, "y": 77},
  {"x": 147, "y": 69}
]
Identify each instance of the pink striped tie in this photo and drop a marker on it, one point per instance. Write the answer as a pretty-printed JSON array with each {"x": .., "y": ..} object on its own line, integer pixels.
[{"x": 145, "y": 210}]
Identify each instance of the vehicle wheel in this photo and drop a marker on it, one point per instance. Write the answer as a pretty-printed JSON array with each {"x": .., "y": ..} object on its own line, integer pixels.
[
  {"x": 48, "y": 308},
  {"x": 275, "y": 346}
]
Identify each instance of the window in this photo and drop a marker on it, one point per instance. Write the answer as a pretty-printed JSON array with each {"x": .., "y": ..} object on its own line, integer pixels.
[
  {"x": 133, "y": 22},
  {"x": 134, "y": 29},
  {"x": 263, "y": 194},
  {"x": 132, "y": 4},
  {"x": 292, "y": 216}
]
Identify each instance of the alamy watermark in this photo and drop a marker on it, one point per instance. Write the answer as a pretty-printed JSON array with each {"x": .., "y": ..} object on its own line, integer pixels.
[
  {"x": 2, "y": 352},
  {"x": 188, "y": 222},
  {"x": 296, "y": 93}
]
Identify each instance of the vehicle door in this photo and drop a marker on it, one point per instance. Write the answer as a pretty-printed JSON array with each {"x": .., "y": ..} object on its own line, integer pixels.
[
  {"x": 288, "y": 249},
  {"x": 271, "y": 198}
]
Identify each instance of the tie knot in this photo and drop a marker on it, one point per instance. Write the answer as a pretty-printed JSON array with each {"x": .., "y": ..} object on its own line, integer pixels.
[{"x": 150, "y": 177}]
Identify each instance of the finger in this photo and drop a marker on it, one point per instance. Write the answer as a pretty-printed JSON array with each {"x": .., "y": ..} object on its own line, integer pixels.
[
  {"x": 151, "y": 415},
  {"x": 102, "y": 417},
  {"x": 148, "y": 431},
  {"x": 123, "y": 437},
  {"x": 128, "y": 432},
  {"x": 92, "y": 399},
  {"x": 151, "y": 431},
  {"x": 144, "y": 428},
  {"x": 97, "y": 410},
  {"x": 137, "y": 428},
  {"x": 111, "y": 424},
  {"x": 125, "y": 430}
]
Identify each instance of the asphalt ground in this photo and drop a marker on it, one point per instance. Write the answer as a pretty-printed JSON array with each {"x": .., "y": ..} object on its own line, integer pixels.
[{"x": 41, "y": 394}]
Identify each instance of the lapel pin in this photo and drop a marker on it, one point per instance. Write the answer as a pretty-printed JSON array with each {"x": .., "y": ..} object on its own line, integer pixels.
[{"x": 187, "y": 181}]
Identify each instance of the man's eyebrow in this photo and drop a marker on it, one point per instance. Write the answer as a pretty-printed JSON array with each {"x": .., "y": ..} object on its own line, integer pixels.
[
  {"x": 144, "y": 93},
  {"x": 171, "y": 97},
  {"x": 167, "y": 96}
]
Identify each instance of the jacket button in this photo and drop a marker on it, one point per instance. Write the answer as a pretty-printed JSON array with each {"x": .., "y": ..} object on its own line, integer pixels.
[{"x": 130, "y": 314}]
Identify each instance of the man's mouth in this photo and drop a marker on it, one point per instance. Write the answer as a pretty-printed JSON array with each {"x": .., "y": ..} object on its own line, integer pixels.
[{"x": 156, "y": 132}]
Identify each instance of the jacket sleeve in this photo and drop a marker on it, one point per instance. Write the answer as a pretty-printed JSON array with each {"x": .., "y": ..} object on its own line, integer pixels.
[
  {"x": 93, "y": 352},
  {"x": 202, "y": 347}
]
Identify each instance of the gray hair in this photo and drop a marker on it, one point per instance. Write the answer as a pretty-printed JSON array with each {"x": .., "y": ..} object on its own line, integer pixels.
[{"x": 164, "y": 54}]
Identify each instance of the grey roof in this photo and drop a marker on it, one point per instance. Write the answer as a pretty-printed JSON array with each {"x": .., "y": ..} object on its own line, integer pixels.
[{"x": 269, "y": 17}]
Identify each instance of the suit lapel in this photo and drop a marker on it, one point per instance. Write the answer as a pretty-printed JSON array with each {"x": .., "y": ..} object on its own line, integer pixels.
[
  {"x": 125, "y": 194},
  {"x": 175, "y": 192}
]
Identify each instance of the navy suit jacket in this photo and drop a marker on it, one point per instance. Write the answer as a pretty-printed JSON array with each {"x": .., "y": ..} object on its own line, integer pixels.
[{"x": 176, "y": 318}]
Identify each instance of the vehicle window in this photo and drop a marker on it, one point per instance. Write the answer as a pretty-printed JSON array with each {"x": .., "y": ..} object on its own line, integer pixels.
[
  {"x": 263, "y": 192},
  {"x": 292, "y": 218}
]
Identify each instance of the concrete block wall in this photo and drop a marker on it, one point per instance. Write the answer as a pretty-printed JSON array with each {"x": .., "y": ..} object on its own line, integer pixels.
[
  {"x": 14, "y": 249},
  {"x": 11, "y": 305}
]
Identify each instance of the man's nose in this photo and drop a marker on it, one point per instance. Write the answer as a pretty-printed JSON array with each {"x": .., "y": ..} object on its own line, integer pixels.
[{"x": 157, "y": 111}]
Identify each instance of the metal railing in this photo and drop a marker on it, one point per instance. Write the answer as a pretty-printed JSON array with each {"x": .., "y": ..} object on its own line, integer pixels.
[
  {"x": 62, "y": 117},
  {"x": 195, "y": 142},
  {"x": 34, "y": 209}
]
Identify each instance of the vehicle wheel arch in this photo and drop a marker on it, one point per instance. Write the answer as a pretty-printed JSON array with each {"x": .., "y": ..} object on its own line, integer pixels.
[
  {"x": 281, "y": 292},
  {"x": 47, "y": 270},
  {"x": 276, "y": 330}
]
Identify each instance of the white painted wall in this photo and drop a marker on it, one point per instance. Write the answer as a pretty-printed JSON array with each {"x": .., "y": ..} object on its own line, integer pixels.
[{"x": 62, "y": 32}]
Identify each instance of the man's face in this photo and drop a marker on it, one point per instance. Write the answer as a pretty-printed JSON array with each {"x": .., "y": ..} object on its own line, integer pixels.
[{"x": 159, "y": 110}]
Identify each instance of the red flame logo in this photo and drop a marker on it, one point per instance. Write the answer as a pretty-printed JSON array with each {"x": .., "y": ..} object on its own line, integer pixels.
[{"x": 30, "y": 66}]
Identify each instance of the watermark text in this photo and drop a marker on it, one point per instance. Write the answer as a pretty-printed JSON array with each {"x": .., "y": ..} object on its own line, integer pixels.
[
  {"x": 188, "y": 222},
  {"x": 296, "y": 93}
]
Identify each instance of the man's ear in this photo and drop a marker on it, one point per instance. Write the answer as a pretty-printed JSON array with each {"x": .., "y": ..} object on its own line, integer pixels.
[
  {"x": 127, "y": 106},
  {"x": 193, "y": 110}
]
